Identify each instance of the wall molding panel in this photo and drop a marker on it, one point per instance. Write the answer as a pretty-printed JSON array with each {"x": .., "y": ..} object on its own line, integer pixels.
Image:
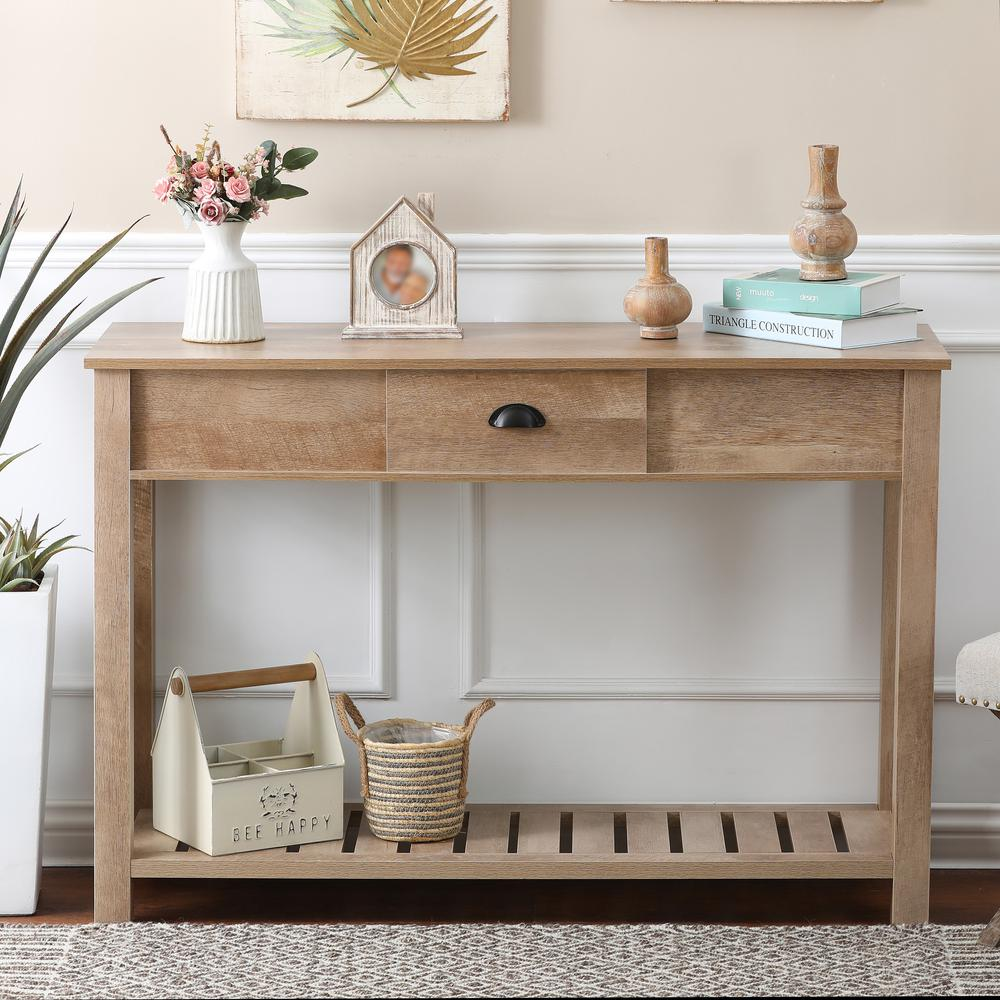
[
  {"x": 473, "y": 682},
  {"x": 527, "y": 277},
  {"x": 378, "y": 681},
  {"x": 474, "y": 666}
]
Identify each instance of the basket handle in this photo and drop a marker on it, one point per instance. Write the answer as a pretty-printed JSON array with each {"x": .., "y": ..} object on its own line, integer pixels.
[
  {"x": 233, "y": 679},
  {"x": 348, "y": 712},
  {"x": 475, "y": 714},
  {"x": 470, "y": 727}
]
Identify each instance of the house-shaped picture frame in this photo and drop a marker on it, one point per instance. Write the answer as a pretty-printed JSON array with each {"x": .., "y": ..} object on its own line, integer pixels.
[{"x": 404, "y": 278}]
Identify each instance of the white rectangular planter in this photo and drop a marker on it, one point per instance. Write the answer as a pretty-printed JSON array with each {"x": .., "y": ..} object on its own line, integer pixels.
[{"x": 27, "y": 631}]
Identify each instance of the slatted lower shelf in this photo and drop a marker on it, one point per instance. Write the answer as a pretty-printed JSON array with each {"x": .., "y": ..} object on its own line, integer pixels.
[{"x": 550, "y": 842}]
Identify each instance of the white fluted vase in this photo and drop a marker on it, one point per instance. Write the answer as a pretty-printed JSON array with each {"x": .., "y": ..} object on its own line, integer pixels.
[{"x": 223, "y": 296}]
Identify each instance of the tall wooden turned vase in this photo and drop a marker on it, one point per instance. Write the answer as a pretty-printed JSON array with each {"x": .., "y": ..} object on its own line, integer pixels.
[
  {"x": 824, "y": 237},
  {"x": 658, "y": 302}
]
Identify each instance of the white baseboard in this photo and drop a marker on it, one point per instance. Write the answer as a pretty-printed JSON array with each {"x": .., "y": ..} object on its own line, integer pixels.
[
  {"x": 965, "y": 835},
  {"x": 962, "y": 835},
  {"x": 68, "y": 836}
]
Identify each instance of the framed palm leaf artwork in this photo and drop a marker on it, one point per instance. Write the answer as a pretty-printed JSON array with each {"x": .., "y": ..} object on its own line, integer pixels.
[{"x": 373, "y": 60}]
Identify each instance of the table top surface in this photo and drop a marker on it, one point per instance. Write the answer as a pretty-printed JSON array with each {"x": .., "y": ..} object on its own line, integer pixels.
[{"x": 497, "y": 346}]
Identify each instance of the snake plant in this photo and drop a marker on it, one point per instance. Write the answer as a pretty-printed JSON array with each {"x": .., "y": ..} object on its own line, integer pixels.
[
  {"x": 25, "y": 550},
  {"x": 13, "y": 341}
]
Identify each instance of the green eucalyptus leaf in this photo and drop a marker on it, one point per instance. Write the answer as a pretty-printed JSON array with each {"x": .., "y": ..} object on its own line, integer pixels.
[
  {"x": 286, "y": 192},
  {"x": 271, "y": 152},
  {"x": 298, "y": 158},
  {"x": 265, "y": 186}
]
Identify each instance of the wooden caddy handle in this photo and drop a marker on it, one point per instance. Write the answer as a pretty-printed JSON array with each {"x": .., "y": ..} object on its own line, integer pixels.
[{"x": 246, "y": 678}]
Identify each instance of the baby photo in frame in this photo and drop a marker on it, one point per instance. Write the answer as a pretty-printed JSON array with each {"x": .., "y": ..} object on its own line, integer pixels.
[{"x": 404, "y": 278}]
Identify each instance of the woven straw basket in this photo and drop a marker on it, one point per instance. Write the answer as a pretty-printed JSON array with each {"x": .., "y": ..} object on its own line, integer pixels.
[{"x": 413, "y": 774}]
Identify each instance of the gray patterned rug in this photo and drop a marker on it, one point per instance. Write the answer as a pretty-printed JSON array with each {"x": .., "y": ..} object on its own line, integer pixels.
[{"x": 478, "y": 960}]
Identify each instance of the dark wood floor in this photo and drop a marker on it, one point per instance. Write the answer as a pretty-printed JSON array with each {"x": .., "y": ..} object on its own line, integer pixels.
[{"x": 957, "y": 897}]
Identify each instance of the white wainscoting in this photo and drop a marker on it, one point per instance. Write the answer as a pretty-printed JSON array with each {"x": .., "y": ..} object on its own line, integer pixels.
[
  {"x": 526, "y": 277},
  {"x": 456, "y": 584}
]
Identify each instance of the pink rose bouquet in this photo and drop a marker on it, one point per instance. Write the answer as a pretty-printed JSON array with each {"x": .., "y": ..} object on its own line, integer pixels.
[{"x": 208, "y": 188}]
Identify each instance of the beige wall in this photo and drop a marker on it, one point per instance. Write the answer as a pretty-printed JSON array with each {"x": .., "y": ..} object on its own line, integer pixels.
[{"x": 625, "y": 117}]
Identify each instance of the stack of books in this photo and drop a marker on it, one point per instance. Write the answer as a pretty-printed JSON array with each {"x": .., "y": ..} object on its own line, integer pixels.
[{"x": 864, "y": 310}]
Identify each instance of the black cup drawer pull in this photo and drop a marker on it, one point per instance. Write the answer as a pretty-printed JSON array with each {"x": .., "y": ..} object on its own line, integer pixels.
[{"x": 516, "y": 415}]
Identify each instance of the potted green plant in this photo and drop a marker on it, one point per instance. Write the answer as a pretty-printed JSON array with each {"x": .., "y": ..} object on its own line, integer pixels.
[{"x": 27, "y": 577}]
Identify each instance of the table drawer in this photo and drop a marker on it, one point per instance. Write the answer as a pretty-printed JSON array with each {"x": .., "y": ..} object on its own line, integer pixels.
[
  {"x": 258, "y": 421},
  {"x": 776, "y": 423},
  {"x": 595, "y": 422}
]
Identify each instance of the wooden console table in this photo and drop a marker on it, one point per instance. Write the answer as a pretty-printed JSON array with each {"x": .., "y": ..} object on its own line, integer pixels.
[{"x": 306, "y": 405}]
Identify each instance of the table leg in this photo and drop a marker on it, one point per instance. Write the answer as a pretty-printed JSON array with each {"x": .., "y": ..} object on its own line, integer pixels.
[
  {"x": 914, "y": 682},
  {"x": 113, "y": 683},
  {"x": 143, "y": 555},
  {"x": 890, "y": 587}
]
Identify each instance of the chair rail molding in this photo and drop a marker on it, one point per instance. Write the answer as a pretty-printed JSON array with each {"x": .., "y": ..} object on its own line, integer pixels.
[
  {"x": 523, "y": 277},
  {"x": 379, "y": 679}
]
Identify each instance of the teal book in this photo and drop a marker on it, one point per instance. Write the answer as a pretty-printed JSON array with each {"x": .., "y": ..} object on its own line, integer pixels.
[{"x": 861, "y": 293}]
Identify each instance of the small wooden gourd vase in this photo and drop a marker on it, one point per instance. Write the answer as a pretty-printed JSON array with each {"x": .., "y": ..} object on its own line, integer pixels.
[
  {"x": 658, "y": 302},
  {"x": 824, "y": 237}
]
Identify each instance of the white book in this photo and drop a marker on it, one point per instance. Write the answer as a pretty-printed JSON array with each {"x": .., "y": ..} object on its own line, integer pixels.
[{"x": 891, "y": 326}]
